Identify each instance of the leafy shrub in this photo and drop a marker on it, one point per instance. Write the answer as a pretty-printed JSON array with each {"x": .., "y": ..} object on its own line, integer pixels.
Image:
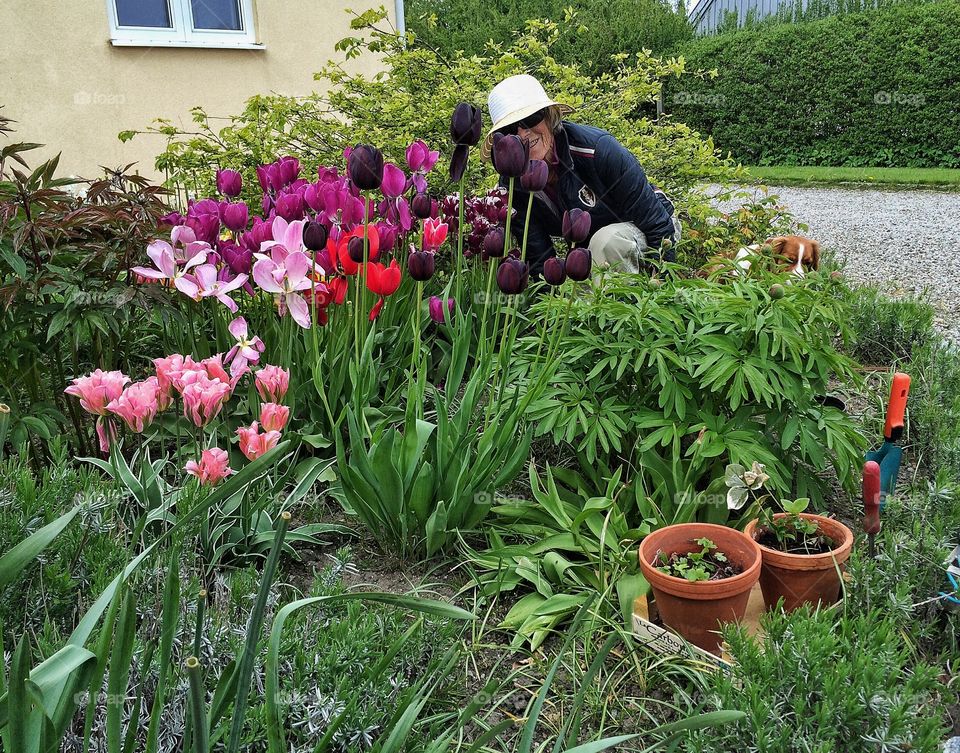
[
  {"x": 795, "y": 94},
  {"x": 414, "y": 97},
  {"x": 66, "y": 296},
  {"x": 886, "y": 330},
  {"x": 825, "y": 681},
  {"x": 678, "y": 378},
  {"x": 602, "y": 30}
]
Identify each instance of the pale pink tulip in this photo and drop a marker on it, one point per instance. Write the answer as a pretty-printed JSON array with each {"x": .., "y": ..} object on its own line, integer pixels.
[
  {"x": 272, "y": 383},
  {"x": 209, "y": 285},
  {"x": 98, "y": 389},
  {"x": 167, "y": 268},
  {"x": 253, "y": 444},
  {"x": 106, "y": 433},
  {"x": 273, "y": 416},
  {"x": 213, "y": 466},
  {"x": 286, "y": 276},
  {"x": 138, "y": 404},
  {"x": 246, "y": 351},
  {"x": 203, "y": 398},
  {"x": 169, "y": 370},
  {"x": 215, "y": 370}
]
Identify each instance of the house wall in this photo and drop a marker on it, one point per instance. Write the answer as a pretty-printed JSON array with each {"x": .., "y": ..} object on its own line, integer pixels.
[
  {"x": 68, "y": 87},
  {"x": 707, "y": 15}
]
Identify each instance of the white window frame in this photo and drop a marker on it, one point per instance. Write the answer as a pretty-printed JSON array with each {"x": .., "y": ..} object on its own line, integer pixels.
[{"x": 182, "y": 34}]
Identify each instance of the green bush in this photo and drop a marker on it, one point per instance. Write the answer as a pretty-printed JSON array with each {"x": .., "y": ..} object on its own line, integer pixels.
[
  {"x": 603, "y": 30},
  {"x": 886, "y": 330},
  {"x": 825, "y": 681},
  {"x": 677, "y": 378},
  {"x": 865, "y": 89}
]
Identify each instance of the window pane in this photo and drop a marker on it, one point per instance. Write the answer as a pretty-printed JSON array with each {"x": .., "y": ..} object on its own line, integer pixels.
[
  {"x": 153, "y": 13},
  {"x": 217, "y": 14}
]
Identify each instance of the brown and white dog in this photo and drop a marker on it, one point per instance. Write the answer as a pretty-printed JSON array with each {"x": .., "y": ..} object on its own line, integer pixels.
[{"x": 796, "y": 253}]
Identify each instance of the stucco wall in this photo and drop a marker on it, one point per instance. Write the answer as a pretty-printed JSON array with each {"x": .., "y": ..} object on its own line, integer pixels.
[{"x": 70, "y": 88}]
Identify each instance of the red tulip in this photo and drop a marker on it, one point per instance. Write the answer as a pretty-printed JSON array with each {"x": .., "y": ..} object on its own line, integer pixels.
[{"x": 381, "y": 279}]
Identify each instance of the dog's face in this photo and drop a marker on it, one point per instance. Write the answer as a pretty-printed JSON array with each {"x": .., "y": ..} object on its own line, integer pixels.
[{"x": 800, "y": 255}]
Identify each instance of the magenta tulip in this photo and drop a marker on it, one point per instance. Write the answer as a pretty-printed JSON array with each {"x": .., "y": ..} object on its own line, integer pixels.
[
  {"x": 235, "y": 216},
  {"x": 229, "y": 183}
]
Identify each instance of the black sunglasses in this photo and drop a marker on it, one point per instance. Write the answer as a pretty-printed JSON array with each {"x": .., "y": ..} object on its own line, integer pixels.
[{"x": 531, "y": 121}]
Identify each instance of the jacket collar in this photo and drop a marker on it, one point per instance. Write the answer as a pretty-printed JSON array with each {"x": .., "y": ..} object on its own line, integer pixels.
[{"x": 562, "y": 145}]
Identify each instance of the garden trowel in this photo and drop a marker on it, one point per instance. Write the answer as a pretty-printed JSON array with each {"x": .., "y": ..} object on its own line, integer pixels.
[{"x": 889, "y": 454}]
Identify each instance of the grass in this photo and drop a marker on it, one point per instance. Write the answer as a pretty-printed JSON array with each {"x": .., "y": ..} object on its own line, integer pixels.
[{"x": 927, "y": 177}]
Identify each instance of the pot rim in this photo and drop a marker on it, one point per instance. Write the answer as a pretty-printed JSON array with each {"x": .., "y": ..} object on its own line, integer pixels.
[
  {"x": 705, "y": 590},
  {"x": 839, "y": 554}
]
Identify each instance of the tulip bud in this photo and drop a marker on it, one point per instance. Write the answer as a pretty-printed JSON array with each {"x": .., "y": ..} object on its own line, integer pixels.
[
  {"x": 422, "y": 205},
  {"x": 314, "y": 236},
  {"x": 355, "y": 249},
  {"x": 421, "y": 264},
  {"x": 554, "y": 271},
  {"x": 466, "y": 125},
  {"x": 436, "y": 308},
  {"x": 578, "y": 264},
  {"x": 535, "y": 177},
  {"x": 289, "y": 169},
  {"x": 235, "y": 216},
  {"x": 229, "y": 182},
  {"x": 510, "y": 155},
  {"x": 290, "y": 206},
  {"x": 365, "y": 167},
  {"x": 493, "y": 242},
  {"x": 512, "y": 276},
  {"x": 576, "y": 225}
]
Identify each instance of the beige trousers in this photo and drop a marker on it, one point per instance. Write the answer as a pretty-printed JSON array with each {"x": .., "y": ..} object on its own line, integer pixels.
[{"x": 621, "y": 246}]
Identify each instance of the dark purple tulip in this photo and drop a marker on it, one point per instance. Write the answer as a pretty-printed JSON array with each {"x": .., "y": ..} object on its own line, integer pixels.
[
  {"x": 578, "y": 264},
  {"x": 554, "y": 271},
  {"x": 512, "y": 276},
  {"x": 421, "y": 264},
  {"x": 422, "y": 205},
  {"x": 576, "y": 225},
  {"x": 510, "y": 155},
  {"x": 289, "y": 169},
  {"x": 314, "y": 236},
  {"x": 436, "y": 308},
  {"x": 365, "y": 167},
  {"x": 229, "y": 182},
  {"x": 355, "y": 249},
  {"x": 238, "y": 258},
  {"x": 290, "y": 206},
  {"x": 493, "y": 242},
  {"x": 458, "y": 162},
  {"x": 535, "y": 177},
  {"x": 466, "y": 125},
  {"x": 235, "y": 216}
]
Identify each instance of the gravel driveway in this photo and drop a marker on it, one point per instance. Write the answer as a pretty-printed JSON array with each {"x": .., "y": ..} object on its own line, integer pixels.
[{"x": 906, "y": 241}]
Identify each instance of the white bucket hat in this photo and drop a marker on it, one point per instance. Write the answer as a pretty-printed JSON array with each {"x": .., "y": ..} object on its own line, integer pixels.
[{"x": 514, "y": 99}]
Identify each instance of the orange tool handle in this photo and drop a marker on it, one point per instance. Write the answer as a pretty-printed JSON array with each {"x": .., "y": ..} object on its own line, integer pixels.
[
  {"x": 899, "y": 390},
  {"x": 871, "y": 497}
]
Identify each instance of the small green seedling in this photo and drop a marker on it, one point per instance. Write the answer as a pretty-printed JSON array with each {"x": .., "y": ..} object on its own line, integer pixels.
[{"x": 693, "y": 566}]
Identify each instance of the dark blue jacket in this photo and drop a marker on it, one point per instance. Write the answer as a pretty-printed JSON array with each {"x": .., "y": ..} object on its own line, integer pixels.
[{"x": 597, "y": 174}]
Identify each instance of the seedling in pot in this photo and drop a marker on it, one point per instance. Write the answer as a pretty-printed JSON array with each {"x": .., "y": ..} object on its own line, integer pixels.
[
  {"x": 792, "y": 534},
  {"x": 707, "y": 564}
]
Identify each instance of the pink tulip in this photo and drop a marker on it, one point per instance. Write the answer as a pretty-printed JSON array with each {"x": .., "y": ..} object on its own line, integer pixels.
[
  {"x": 170, "y": 371},
  {"x": 394, "y": 181},
  {"x": 246, "y": 351},
  {"x": 213, "y": 466},
  {"x": 273, "y": 417},
  {"x": 434, "y": 234},
  {"x": 106, "y": 433},
  {"x": 286, "y": 276},
  {"x": 97, "y": 390},
  {"x": 419, "y": 157},
  {"x": 167, "y": 269},
  {"x": 208, "y": 284},
  {"x": 253, "y": 444},
  {"x": 436, "y": 308},
  {"x": 203, "y": 398},
  {"x": 138, "y": 404},
  {"x": 272, "y": 383}
]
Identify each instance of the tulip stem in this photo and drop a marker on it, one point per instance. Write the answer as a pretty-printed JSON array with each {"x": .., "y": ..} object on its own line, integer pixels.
[
  {"x": 459, "y": 261},
  {"x": 416, "y": 335},
  {"x": 526, "y": 228}
]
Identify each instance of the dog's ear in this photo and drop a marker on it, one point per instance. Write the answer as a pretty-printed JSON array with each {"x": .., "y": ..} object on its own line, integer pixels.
[
  {"x": 814, "y": 254},
  {"x": 777, "y": 245}
]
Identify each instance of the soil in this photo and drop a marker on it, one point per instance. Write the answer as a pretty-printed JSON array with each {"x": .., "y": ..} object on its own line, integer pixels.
[
  {"x": 724, "y": 569},
  {"x": 817, "y": 544}
]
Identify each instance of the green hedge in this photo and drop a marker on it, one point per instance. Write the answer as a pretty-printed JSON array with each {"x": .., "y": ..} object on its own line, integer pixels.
[{"x": 877, "y": 88}]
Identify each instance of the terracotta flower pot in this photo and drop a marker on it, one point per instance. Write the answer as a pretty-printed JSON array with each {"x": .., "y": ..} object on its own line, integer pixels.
[
  {"x": 696, "y": 609},
  {"x": 804, "y": 578}
]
